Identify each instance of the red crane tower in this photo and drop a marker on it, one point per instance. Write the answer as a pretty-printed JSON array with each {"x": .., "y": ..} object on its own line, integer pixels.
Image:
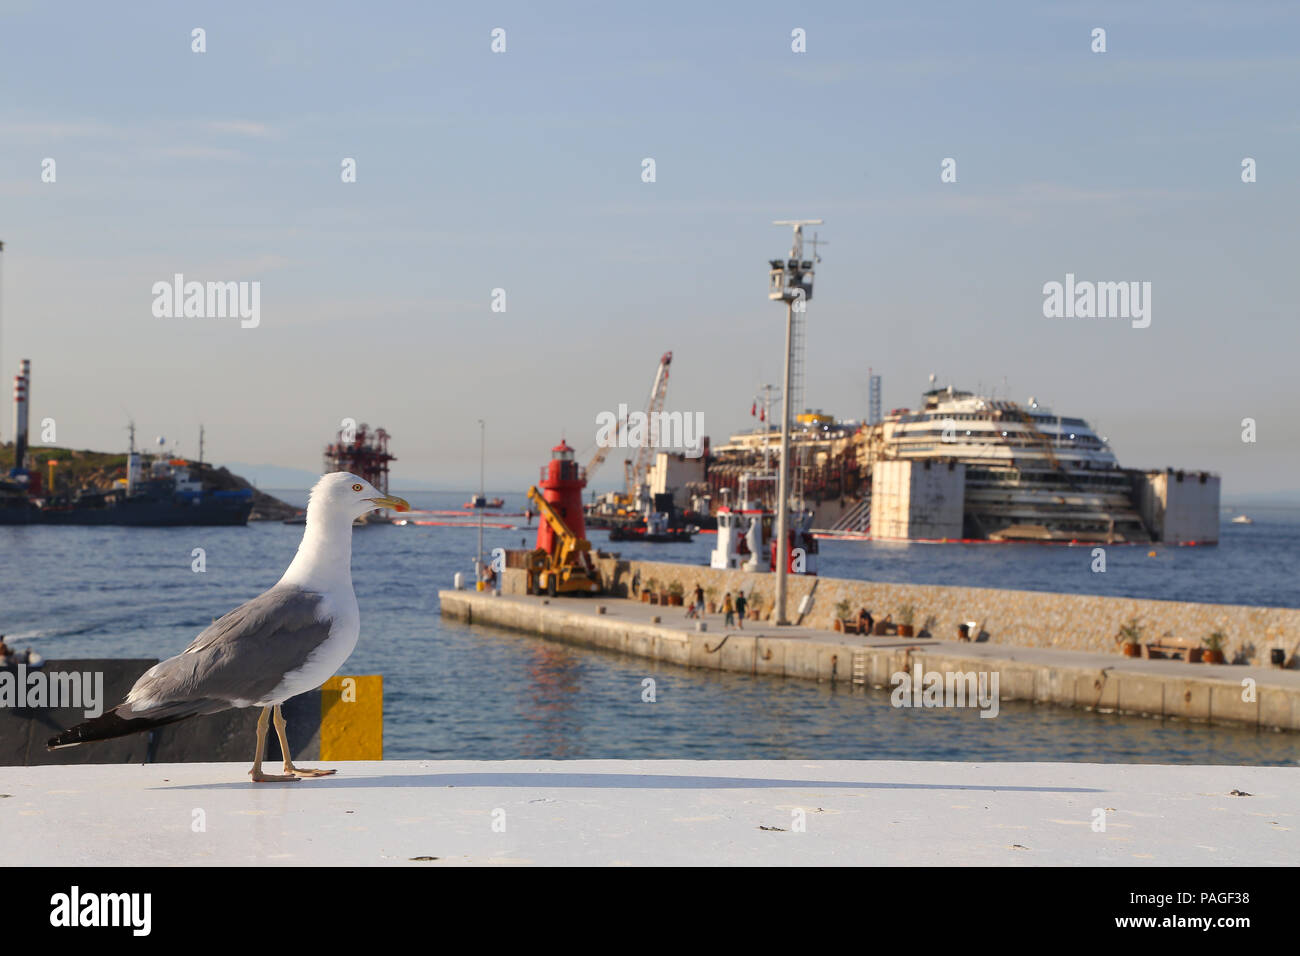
[
  {"x": 562, "y": 483},
  {"x": 561, "y": 563}
]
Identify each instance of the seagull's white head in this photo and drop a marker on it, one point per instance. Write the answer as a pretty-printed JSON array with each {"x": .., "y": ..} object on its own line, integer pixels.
[
  {"x": 343, "y": 497},
  {"x": 324, "y": 558}
]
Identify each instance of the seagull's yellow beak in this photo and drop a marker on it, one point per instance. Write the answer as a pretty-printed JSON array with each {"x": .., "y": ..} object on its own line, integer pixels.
[{"x": 390, "y": 501}]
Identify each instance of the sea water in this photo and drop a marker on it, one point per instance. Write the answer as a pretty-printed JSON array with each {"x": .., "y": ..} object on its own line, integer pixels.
[{"x": 457, "y": 691}]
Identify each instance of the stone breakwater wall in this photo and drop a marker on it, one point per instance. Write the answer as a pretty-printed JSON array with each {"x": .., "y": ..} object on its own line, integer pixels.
[
  {"x": 1076, "y": 622},
  {"x": 1212, "y": 694}
]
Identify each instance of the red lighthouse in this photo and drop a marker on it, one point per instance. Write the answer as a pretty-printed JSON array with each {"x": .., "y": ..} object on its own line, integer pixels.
[{"x": 562, "y": 483}]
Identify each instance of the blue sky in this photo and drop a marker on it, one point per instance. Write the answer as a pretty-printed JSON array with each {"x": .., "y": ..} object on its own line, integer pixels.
[{"x": 522, "y": 171}]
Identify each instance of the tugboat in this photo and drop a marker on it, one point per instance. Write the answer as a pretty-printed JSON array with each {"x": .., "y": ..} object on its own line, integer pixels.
[{"x": 747, "y": 535}]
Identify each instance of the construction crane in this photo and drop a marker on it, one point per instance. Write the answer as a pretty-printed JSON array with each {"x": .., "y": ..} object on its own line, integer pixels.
[
  {"x": 567, "y": 568},
  {"x": 598, "y": 459},
  {"x": 636, "y": 476}
]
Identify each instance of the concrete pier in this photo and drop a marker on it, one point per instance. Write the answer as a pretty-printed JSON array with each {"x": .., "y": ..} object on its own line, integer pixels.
[
  {"x": 1106, "y": 682},
  {"x": 655, "y": 812}
]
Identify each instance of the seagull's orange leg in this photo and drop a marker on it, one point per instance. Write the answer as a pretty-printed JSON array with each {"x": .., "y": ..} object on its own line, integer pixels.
[
  {"x": 284, "y": 749},
  {"x": 256, "y": 772}
]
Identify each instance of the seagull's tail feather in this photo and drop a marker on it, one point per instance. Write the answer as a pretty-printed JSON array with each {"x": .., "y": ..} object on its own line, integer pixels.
[{"x": 111, "y": 724}]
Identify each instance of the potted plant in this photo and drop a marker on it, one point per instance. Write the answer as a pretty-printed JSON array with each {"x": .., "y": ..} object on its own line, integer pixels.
[
  {"x": 651, "y": 592},
  {"x": 675, "y": 592},
  {"x": 712, "y": 594},
  {"x": 841, "y": 613},
  {"x": 1195, "y": 655},
  {"x": 1129, "y": 638},
  {"x": 1214, "y": 648},
  {"x": 906, "y": 614}
]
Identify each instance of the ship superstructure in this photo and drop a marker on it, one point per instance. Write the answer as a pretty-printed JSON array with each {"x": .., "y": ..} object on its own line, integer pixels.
[{"x": 1031, "y": 474}]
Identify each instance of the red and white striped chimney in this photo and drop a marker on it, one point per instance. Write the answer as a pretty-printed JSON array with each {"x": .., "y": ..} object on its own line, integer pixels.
[{"x": 22, "y": 382}]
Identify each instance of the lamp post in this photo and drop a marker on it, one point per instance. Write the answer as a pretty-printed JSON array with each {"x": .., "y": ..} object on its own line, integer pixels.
[
  {"x": 791, "y": 282},
  {"x": 481, "y": 502}
]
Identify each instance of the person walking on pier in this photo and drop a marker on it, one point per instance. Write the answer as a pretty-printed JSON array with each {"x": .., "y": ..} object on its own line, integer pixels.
[
  {"x": 741, "y": 604},
  {"x": 697, "y": 601},
  {"x": 693, "y": 606},
  {"x": 729, "y": 610}
]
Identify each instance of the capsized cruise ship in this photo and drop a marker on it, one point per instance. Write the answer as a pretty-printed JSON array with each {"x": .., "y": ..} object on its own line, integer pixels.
[{"x": 1031, "y": 474}]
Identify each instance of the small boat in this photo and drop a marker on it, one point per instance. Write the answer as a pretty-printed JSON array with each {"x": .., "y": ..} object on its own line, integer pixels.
[
  {"x": 639, "y": 533},
  {"x": 479, "y": 501},
  {"x": 652, "y": 526},
  {"x": 1243, "y": 519}
]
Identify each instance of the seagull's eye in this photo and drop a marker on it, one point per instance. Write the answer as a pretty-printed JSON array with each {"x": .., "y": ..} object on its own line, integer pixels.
[{"x": 356, "y": 487}]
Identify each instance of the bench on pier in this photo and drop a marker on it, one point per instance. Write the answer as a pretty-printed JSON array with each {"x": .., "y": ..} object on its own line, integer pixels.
[{"x": 1170, "y": 648}]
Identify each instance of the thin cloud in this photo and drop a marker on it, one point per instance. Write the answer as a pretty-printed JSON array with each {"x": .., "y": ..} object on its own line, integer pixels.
[
  {"x": 200, "y": 152},
  {"x": 241, "y": 128},
  {"x": 44, "y": 131}
]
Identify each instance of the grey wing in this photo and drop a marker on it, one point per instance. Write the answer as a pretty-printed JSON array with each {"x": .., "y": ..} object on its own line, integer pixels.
[{"x": 242, "y": 657}]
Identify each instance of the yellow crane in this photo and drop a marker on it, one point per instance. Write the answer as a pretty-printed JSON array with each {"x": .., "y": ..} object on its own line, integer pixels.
[{"x": 568, "y": 569}]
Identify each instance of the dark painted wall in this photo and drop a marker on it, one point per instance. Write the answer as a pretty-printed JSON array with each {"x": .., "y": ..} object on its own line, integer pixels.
[{"x": 229, "y": 735}]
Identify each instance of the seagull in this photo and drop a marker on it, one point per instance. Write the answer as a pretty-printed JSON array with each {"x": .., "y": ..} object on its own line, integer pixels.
[{"x": 281, "y": 643}]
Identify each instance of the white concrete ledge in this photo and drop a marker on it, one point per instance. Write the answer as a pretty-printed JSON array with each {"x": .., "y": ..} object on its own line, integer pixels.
[{"x": 610, "y": 812}]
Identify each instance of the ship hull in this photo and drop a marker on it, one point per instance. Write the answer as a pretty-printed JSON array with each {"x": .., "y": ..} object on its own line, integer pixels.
[{"x": 147, "y": 513}]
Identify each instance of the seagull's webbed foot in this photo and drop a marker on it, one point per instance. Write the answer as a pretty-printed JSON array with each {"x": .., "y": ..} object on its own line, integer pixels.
[
  {"x": 259, "y": 777},
  {"x": 306, "y": 772},
  {"x": 289, "y": 768}
]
